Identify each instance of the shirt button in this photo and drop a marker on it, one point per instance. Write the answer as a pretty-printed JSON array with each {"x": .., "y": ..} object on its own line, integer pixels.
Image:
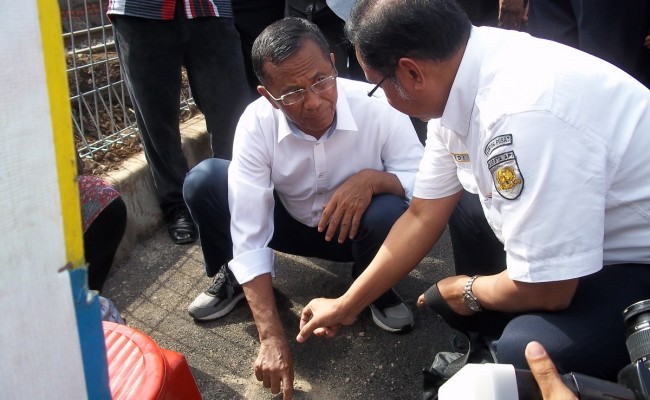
[
  {"x": 314, "y": 213},
  {"x": 320, "y": 175}
]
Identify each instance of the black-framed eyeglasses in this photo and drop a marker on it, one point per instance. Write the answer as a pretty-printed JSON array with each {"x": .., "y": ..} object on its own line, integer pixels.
[
  {"x": 299, "y": 95},
  {"x": 377, "y": 86}
]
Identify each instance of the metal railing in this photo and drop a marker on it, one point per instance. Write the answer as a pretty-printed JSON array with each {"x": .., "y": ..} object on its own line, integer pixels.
[{"x": 102, "y": 112}]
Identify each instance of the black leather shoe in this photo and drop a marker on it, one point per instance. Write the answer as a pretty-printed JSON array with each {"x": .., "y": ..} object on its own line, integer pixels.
[{"x": 180, "y": 226}]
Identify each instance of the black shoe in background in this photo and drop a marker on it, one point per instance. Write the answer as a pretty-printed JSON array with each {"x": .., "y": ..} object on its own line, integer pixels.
[{"x": 180, "y": 226}]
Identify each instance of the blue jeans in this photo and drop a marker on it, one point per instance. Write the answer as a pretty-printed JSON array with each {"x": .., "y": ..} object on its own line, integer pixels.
[
  {"x": 588, "y": 337},
  {"x": 152, "y": 54},
  {"x": 206, "y": 195}
]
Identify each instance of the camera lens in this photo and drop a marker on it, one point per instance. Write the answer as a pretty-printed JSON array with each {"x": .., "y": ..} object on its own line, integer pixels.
[{"x": 637, "y": 333}]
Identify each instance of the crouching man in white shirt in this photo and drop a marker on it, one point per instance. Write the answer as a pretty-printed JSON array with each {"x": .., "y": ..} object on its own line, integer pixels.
[{"x": 322, "y": 167}]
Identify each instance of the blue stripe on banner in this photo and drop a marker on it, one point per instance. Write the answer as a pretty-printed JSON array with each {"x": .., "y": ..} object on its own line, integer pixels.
[{"x": 91, "y": 337}]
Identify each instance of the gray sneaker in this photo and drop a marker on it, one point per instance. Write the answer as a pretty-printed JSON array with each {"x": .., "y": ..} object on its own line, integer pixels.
[
  {"x": 390, "y": 313},
  {"x": 219, "y": 299}
]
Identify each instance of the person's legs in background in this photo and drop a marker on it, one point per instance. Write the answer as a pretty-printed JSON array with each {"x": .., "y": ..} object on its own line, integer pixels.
[
  {"x": 481, "y": 12},
  {"x": 553, "y": 20},
  {"x": 613, "y": 30},
  {"x": 347, "y": 65},
  {"x": 151, "y": 57},
  {"x": 251, "y": 17},
  {"x": 609, "y": 29},
  {"x": 215, "y": 70}
]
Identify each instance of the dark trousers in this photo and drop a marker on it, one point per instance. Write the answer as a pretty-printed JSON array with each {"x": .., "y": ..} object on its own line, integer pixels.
[
  {"x": 206, "y": 194},
  {"x": 613, "y": 30},
  {"x": 588, "y": 337},
  {"x": 251, "y": 17},
  {"x": 481, "y": 12},
  {"x": 152, "y": 54}
]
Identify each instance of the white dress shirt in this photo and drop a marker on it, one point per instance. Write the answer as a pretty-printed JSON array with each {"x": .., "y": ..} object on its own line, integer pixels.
[
  {"x": 566, "y": 139},
  {"x": 305, "y": 172}
]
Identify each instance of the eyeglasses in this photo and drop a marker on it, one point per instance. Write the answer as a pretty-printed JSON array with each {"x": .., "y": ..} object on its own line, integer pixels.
[
  {"x": 377, "y": 86},
  {"x": 299, "y": 95}
]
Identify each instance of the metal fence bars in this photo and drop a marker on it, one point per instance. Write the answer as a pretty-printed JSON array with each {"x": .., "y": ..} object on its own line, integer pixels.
[{"x": 102, "y": 113}]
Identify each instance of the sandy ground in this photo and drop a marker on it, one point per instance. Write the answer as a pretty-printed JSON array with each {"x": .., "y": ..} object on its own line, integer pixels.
[{"x": 154, "y": 286}]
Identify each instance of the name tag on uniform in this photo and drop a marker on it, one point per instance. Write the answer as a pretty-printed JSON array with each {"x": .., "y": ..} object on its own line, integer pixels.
[{"x": 460, "y": 157}]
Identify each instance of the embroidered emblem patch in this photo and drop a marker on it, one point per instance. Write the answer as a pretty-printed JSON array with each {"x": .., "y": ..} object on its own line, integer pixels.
[
  {"x": 506, "y": 175},
  {"x": 498, "y": 141}
]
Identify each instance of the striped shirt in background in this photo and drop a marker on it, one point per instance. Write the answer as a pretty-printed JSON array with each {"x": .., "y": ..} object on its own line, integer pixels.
[{"x": 164, "y": 9}]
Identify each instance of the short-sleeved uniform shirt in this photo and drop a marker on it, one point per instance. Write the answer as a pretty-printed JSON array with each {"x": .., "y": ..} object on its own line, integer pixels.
[
  {"x": 558, "y": 143},
  {"x": 271, "y": 155}
]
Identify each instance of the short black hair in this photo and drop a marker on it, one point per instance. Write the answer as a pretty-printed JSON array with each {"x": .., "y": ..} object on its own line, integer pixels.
[
  {"x": 281, "y": 40},
  {"x": 383, "y": 31}
]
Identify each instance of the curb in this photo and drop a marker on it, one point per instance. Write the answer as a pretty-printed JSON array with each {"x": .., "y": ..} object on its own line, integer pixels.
[{"x": 135, "y": 183}]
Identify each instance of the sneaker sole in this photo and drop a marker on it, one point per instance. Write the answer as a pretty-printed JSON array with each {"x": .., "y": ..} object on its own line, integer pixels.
[
  {"x": 223, "y": 311},
  {"x": 385, "y": 327}
]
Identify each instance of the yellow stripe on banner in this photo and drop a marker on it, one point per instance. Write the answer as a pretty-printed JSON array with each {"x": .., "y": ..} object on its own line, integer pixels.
[{"x": 60, "y": 114}]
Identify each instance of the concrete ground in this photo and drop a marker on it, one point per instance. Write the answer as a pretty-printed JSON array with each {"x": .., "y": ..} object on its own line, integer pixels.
[
  {"x": 154, "y": 285},
  {"x": 153, "y": 282}
]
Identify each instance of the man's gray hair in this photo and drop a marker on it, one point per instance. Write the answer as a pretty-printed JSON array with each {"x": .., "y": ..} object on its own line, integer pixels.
[{"x": 281, "y": 40}]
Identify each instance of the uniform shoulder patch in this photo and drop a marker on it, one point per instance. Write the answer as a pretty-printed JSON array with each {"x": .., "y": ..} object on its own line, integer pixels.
[
  {"x": 507, "y": 177},
  {"x": 502, "y": 140}
]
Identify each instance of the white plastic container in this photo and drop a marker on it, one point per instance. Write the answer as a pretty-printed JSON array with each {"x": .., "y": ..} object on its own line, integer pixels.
[{"x": 481, "y": 382}]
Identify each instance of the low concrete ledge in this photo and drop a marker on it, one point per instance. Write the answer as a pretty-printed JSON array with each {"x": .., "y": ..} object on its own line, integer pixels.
[{"x": 135, "y": 183}]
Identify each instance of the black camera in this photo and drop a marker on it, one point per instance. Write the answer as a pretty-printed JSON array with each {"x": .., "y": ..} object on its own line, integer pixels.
[
  {"x": 502, "y": 381},
  {"x": 636, "y": 375},
  {"x": 633, "y": 379}
]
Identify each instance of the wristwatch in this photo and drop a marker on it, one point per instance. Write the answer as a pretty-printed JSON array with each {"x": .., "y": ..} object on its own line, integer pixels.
[{"x": 468, "y": 296}]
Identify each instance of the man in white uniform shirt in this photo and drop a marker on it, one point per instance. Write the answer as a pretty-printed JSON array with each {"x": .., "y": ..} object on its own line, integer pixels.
[
  {"x": 319, "y": 169},
  {"x": 557, "y": 142}
]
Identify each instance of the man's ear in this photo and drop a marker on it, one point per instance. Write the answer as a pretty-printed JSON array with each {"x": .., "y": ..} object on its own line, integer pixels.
[
  {"x": 332, "y": 59},
  {"x": 262, "y": 90},
  {"x": 410, "y": 73}
]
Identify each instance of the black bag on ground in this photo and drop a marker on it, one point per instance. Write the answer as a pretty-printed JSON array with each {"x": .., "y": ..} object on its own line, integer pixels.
[{"x": 469, "y": 347}]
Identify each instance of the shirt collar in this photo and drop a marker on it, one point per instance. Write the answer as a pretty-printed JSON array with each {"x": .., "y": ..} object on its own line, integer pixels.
[
  {"x": 345, "y": 119},
  {"x": 458, "y": 110}
]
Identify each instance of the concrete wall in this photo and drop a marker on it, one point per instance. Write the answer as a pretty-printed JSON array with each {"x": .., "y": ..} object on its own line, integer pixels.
[{"x": 133, "y": 180}]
